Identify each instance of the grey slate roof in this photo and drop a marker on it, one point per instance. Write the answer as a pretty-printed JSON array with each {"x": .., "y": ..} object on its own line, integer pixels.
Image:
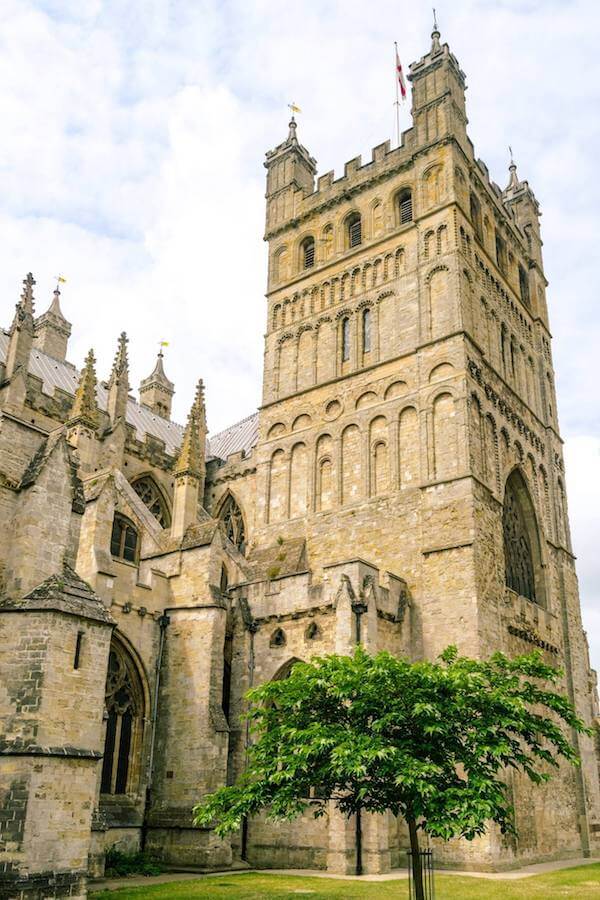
[{"x": 55, "y": 373}]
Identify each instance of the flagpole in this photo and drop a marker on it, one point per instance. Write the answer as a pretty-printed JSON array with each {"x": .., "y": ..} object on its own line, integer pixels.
[{"x": 397, "y": 104}]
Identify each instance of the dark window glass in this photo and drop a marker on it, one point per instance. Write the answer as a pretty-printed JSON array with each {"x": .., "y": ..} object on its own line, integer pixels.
[
  {"x": 366, "y": 330},
  {"x": 345, "y": 340},
  {"x": 517, "y": 547},
  {"x": 476, "y": 216},
  {"x": 124, "y": 540},
  {"x": 524, "y": 286},
  {"x": 124, "y": 705}
]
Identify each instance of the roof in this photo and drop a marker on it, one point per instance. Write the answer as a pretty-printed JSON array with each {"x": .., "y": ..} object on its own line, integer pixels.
[
  {"x": 66, "y": 593},
  {"x": 56, "y": 373}
]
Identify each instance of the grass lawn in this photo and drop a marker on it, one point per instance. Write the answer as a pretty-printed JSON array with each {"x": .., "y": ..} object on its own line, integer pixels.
[{"x": 581, "y": 883}]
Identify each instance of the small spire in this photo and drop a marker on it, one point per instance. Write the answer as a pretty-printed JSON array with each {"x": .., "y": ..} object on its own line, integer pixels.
[
  {"x": 27, "y": 294},
  {"x": 191, "y": 456},
  {"x": 118, "y": 383},
  {"x": 85, "y": 405},
  {"x": 292, "y": 138},
  {"x": 121, "y": 363},
  {"x": 435, "y": 35},
  {"x": 513, "y": 180},
  {"x": 54, "y": 307}
]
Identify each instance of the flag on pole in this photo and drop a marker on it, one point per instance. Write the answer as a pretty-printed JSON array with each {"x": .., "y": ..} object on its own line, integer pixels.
[{"x": 400, "y": 75}]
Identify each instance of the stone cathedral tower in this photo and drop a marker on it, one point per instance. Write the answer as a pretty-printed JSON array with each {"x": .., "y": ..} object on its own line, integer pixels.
[
  {"x": 409, "y": 411},
  {"x": 402, "y": 485}
]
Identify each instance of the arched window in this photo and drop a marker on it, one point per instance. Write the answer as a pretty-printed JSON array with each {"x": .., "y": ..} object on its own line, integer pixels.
[
  {"x": 366, "y": 330},
  {"x": 522, "y": 557},
  {"x": 475, "y": 209},
  {"x": 124, "y": 726},
  {"x": 404, "y": 205},
  {"x": 524, "y": 286},
  {"x": 124, "y": 539},
  {"x": 328, "y": 242},
  {"x": 345, "y": 339},
  {"x": 231, "y": 517},
  {"x": 278, "y": 638},
  {"x": 149, "y": 492},
  {"x": 313, "y": 632},
  {"x": 354, "y": 230},
  {"x": 307, "y": 250}
]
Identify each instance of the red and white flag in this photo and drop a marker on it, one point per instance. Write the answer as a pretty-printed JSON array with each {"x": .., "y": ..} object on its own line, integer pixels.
[{"x": 400, "y": 75}]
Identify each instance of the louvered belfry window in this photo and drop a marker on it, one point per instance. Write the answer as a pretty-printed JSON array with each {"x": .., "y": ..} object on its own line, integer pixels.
[
  {"x": 354, "y": 231},
  {"x": 308, "y": 253},
  {"x": 405, "y": 209}
]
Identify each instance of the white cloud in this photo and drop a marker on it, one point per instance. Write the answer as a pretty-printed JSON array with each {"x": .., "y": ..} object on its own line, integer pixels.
[{"x": 133, "y": 140}]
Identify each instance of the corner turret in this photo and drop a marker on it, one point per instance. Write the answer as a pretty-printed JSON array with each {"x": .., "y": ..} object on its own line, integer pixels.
[
  {"x": 156, "y": 391},
  {"x": 52, "y": 330},
  {"x": 290, "y": 177},
  {"x": 438, "y": 97}
]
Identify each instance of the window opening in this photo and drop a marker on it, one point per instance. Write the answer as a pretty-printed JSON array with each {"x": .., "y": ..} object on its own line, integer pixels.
[
  {"x": 345, "y": 339},
  {"x": 354, "y": 231},
  {"x": 366, "y": 330},
  {"x": 405, "y": 210},
  {"x": 124, "y": 539}
]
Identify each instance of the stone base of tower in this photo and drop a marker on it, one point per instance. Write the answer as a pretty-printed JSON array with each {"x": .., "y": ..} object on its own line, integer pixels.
[
  {"x": 187, "y": 846},
  {"x": 44, "y": 884}
]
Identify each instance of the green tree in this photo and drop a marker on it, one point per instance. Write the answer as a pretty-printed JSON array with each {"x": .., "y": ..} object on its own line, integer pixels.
[{"x": 429, "y": 741}]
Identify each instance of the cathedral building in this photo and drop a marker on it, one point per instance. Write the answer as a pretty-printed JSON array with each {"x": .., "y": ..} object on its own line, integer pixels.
[{"x": 402, "y": 485}]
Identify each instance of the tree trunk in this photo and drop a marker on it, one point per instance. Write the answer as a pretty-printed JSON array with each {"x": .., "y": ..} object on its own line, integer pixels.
[{"x": 417, "y": 867}]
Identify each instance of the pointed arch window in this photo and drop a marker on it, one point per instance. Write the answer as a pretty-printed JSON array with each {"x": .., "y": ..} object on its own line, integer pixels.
[
  {"x": 149, "y": 492},
  {"x": 124, "y": 701},
  {"x": 233, "y": 520},
  {"x": 522, "y": 558}
]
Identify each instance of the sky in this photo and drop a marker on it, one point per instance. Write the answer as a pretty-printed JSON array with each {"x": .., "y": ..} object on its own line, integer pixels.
[{"x": 131, "y": 162}]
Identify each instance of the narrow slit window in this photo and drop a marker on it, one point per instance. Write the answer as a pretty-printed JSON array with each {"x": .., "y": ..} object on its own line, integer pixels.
[
  {"x": 345, "y": 339},
  {"x": 77, "y": 655},
  {"x": 366, "y": 330}
]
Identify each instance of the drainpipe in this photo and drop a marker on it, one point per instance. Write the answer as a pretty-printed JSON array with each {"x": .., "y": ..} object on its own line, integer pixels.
[
  {"x": 358, "y": 608},
  {"x": 252, "y": 628},
  {"x": 163, "y": 623}
]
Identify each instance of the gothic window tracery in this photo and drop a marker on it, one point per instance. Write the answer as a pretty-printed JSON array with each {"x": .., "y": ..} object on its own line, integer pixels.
[
  {"x": 148, "y": 491},
  {"x": 518, "y": 551},
  {"x": 124, "y": 539},
  {"x": 232, "y": 519},
  {"x": 124, "y": 704}
]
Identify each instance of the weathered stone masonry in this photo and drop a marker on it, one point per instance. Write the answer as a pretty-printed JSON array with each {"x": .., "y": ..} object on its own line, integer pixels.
[{"x": 402, "y": 484}]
